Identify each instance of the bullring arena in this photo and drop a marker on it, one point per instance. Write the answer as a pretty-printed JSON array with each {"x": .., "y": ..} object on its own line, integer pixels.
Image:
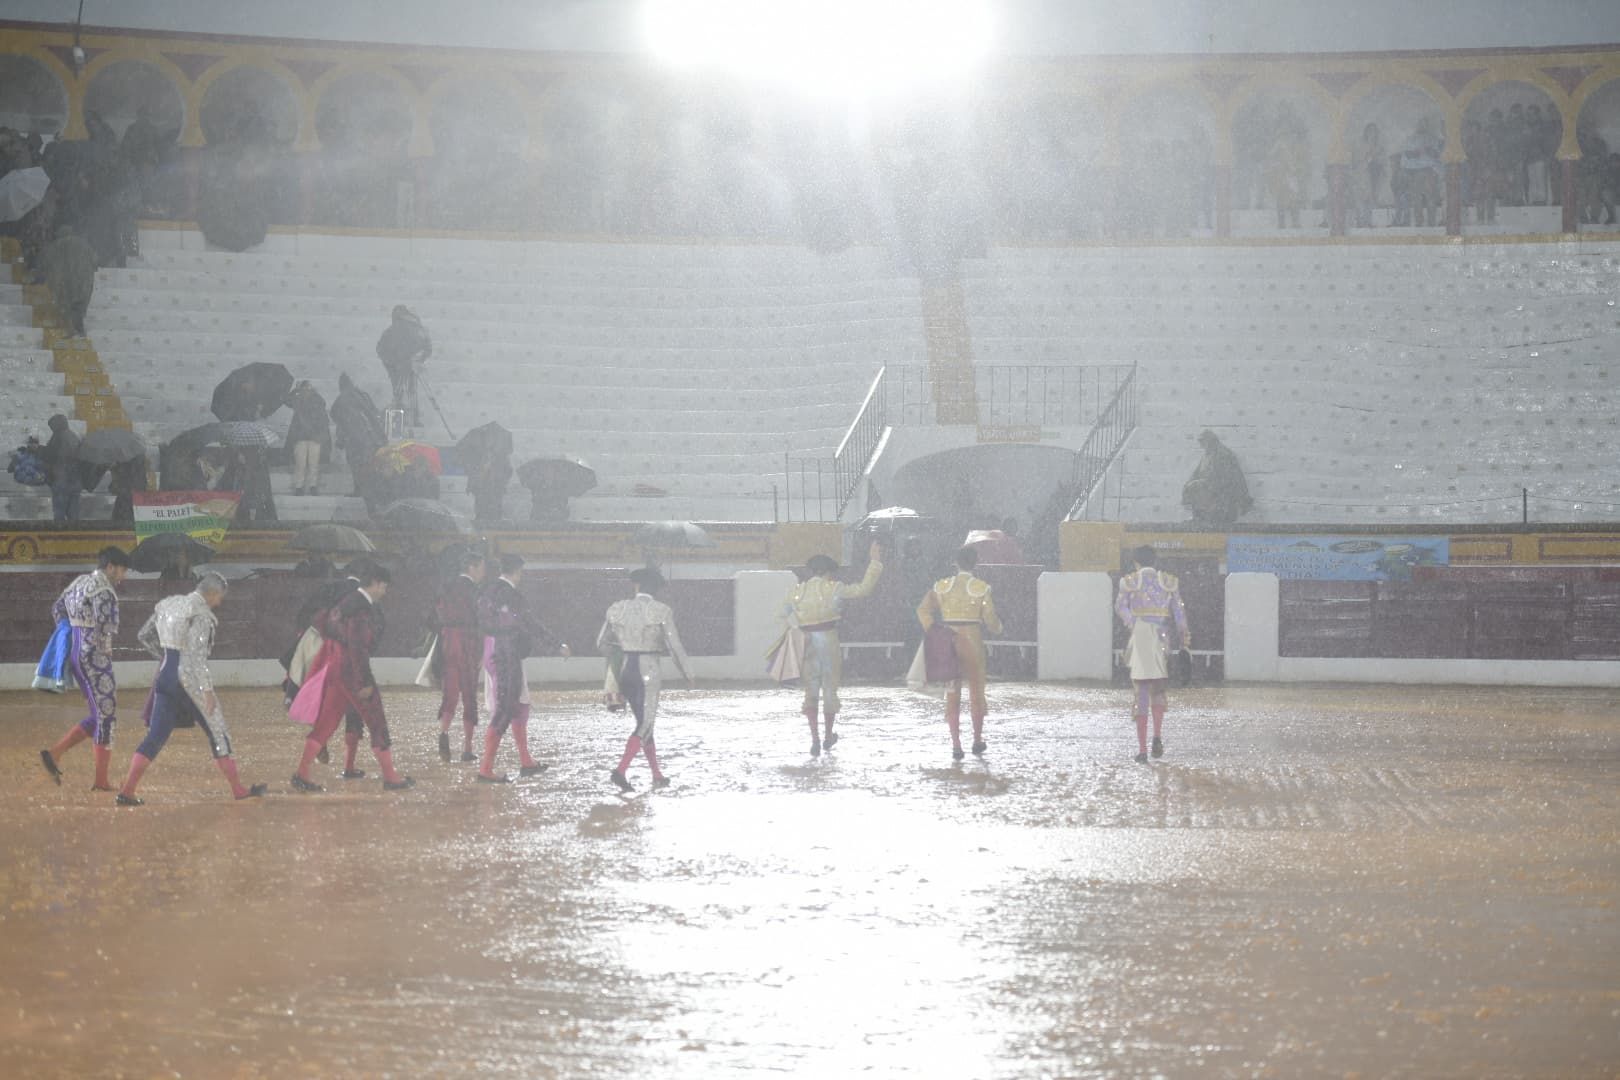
[{"x": 1309, "y": 335}]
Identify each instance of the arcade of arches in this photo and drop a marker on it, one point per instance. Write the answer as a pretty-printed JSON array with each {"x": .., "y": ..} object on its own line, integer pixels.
[{"x": 1488, "y": 142}]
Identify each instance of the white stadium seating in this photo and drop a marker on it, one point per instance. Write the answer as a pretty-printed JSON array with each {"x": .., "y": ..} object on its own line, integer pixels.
[
  {"x": 1384, "y": 383},
  {"x": 683, "y": 369}
]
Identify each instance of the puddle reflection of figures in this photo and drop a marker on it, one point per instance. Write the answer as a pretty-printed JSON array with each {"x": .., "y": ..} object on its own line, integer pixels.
[
  {"x": 955, "y": 615},
  {"x": 637, "y": 632},
  {"x": 1149, "y": 604}
]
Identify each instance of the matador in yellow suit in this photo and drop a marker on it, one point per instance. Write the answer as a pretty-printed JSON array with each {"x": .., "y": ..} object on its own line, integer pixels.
[{"x": 964, "y": 604}]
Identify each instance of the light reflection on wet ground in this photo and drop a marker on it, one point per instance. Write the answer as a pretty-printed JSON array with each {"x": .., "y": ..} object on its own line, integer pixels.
[{"x": 1312, "y": 881}]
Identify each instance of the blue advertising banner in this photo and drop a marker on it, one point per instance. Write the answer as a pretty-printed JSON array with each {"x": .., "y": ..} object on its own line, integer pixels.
[{"x": 1335, "y": 558}]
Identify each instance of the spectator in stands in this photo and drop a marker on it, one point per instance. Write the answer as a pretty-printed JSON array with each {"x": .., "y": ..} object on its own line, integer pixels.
[
  {"x": 1367, "y": 164},
  {"x": 308, "y": 436},
  {"x": 1478, "y": 180},
  {"x": 1217, "y": 493},
  {"x": 249, "y": 473},
  {"x": 1597, "y": 181},
  {"x": 1538, "y": 129},
  {"x": 27, "y": 464},
  {"x": 1288, "y": 173},
  {"x": 127, "y": 478},
  {"x": 488, "y": 484},
  {"x": 1418, "y": 166},
  {"x": 358, "y": 427},
  {"x": 70, "y": 272},
  {"x": 403, "y": 348},
  {"x": 62, "y": 457}
]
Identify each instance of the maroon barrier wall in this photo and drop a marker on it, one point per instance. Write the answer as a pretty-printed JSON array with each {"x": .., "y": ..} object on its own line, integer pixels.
[
  {"x": 257, "y": 619},
  {"x": 1485, "y": 613}
]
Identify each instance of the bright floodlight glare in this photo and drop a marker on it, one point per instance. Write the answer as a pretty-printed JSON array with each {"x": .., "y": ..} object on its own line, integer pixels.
[{"x": 829, "y": 48}]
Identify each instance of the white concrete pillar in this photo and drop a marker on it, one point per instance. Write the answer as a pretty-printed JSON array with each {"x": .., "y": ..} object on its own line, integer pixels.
[
  {"x": 1253, "y": 627},
  {"x": 758, "y": 596},
  {"x": 1074, "y": 613}
]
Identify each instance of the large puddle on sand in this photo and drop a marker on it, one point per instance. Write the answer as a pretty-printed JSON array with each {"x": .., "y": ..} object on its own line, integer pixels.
[{"x": 1315, "y": 881}]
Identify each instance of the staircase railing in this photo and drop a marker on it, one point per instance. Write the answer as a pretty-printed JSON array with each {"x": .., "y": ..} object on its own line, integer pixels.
[
  {"x": 1107, "y": 437},
  {"x": 1015, "y": 402},
  {"x": 817, "y": 485}
]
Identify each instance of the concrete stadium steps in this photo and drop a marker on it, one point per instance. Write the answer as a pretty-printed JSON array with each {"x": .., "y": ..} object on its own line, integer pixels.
[
  {"x": 687, "y": 370},
  {"x": 1389, "y": 383}
]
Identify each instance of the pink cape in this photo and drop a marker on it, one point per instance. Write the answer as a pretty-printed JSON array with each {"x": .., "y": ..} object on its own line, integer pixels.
[{"x": 306, "y": 707}]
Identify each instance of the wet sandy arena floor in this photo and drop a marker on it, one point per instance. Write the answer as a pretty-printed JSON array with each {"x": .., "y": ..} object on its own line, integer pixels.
[{"x": 1332, "y": 881}]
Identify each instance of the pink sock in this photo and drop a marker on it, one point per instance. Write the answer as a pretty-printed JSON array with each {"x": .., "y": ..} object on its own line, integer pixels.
[
  {"x": 520, "y": 736},
  {"x": 103, "y": 763},
  {"x": 385, "y": 761},
  {"x": 652, "y": 758},
  {"x": 1158, "y": 718},
  {"x": 632, "y": 747},
  {"x": 467, "y": 729},
  {"x": 953, "y": 718},
  {"x": 1141, "y": 733},
  {"x": 311, "y": 748},
  {"x": 815, "y": 730},
  {"x": 351, "y": 744},
  {"x": 228, "y": 767},
  {"x": 137, "y": 767},
  {"x": 492, "y": 742}
]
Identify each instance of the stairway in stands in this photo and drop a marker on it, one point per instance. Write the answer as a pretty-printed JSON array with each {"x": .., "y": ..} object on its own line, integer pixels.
[{"x": 47, "y": 370}]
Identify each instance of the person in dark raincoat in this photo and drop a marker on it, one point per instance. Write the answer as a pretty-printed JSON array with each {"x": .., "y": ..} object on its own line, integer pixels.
[
  {"x": 403, "y": 348},
  {"x": 249, "y": 473},
  {"x": 308, "y": 437},
  {"x": 61, "y": 456},
  {"x": 1217, "y": 495},
  {"x": 69, "y": 263},
  {"x": 127, "y": 478},
  {"x": 358, "y": 426}
]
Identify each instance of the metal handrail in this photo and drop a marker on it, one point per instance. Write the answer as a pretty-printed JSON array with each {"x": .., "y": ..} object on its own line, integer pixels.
[{"x": 1103, "y": 443}]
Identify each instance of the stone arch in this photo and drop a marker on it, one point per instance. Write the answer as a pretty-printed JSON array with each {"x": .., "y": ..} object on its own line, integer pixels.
[
  {"x": 594, "y": 136},
  {"x": 1280, "y": 136},
  {"x": 1168, "y": 135},
  {"x": 1599, "y": 111},
  {"x": 481, "y": 134},
  {"x": 230, "y": 95},
  {"x": 1295, "y": 85},
  {"x": 1418, "y": 91},
  {"x": 33, "y": 97},
  {"x": 370, "y": 103},
  {"x": 1527, "y": 144},
  {"x": 263, "y": 63},
  {"x": 119, "y": 85},
  {"x": 1043, "y": 158},
  {"x": 1382, "y": 119},
  {"x": 488, "y": 108}
]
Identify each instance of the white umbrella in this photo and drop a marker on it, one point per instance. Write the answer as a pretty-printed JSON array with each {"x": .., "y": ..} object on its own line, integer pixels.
[{"x": 20, "y": 191}]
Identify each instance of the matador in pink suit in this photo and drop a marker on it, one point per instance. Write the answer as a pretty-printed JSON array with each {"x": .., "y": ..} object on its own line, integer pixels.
[{"x": 1149, "y": 601}]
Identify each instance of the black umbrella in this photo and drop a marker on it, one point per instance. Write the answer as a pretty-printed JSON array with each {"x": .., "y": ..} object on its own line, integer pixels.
[
  {"x": 252, "y": 392},
  {"x": 424, "y": 515},
  {"x": 483, "y": 443},
  {"x": 331, "y": 538},
  {"x": 565, "y": 476},
  {"x": 110, "y": 446},
  {"x": 197, "y": 438},
  {"x": 155, "y": 553}
]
